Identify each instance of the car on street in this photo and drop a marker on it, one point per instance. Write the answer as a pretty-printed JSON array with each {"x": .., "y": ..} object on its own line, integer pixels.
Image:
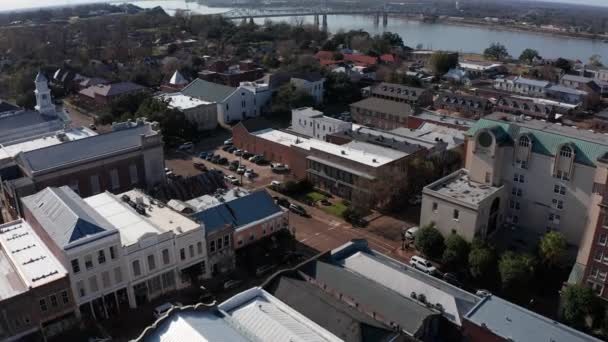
[
  {"x": 483, "y": 293},
  {"x": 261, "y": 161},
  {"x": 162, "y": 309},
  {"x": 230, "y": 284},
  {"x": 232, "y": 179},
  {"x": 228, "y": 141},
  {"x": 247, "y": 155},
  {"x": 422, "y": 264},
  {"x": 216, "y": 158},
  {"x": 186, "y": 146},
  {"x": 233, "y": 167},
  {"x": 283, "y": 202},
  {"x": 451, "y": 278},
  {"x": 298, "y": 209},
  {"x": 209, "y": 156},
  {"x": 231, "y": 149},
  {"x": 250, "y": 174},
  {"x": 226, "y": 147},
  {"x": 200, "y": 166},
  {"x": 222, "y": 161},
  {"x": 410, "y": 233},
  {"x": 255, "y": 158},
  {"x": 203, "y": 155}
]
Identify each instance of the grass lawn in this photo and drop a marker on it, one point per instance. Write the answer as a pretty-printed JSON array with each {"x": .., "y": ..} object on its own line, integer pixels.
[
  {"x": 315, "y": 196},
  {"x": 336, "y": 209}
]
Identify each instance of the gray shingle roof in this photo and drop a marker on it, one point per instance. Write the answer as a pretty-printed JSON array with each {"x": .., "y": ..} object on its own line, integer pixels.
[
  {"x": 25, "y": 124},
  {"x": 376, "y": 104},
  {"x": 56, "y": 156},
  {"x": 66, "y": 218},
  {"x": 208, "y": 91}
]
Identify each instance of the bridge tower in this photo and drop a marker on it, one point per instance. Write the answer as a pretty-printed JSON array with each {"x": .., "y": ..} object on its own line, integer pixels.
[
  {"x": 251, "y": 20},
  {"x": 384, "y": 19},
  {"x": 376, "y": 19},
  {"x": 317, "y": 20},
  {"x": 324, "y": 22}
]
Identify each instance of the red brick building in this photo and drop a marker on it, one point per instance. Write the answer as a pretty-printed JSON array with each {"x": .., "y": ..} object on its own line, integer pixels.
[{"x": 231, "y": 75}]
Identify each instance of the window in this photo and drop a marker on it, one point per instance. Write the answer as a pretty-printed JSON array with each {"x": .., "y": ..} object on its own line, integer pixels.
[
  {"x": 558, "y": 204},
  {"x": 517, "y": 206},
  {"x": 602, "y": 239},
  {"x": 43, "y": 306},
  {"x": 88, "y": 262},
  {"x": 93, "y": 284},
  {"x": 101, "y": 257},
  {"x": 136, "y": 268},
  {"x": 594, "y": 272},
  {"x": 95, "y": 188},
  {"x": 563, "y": 175},
  {"x": 166, "y": 258},
  {"x": 75, "y": 266},
  {"x": 81, "y": 291},
  {"x": 226, "y": 240},
  {"x": 516, "y": 192},
  {"x": 191, "y": 250},
  {"x": 74, "y": 186},
  {"x": 199, "y": 247},
  {"x": 151, "y": 262},
  {"x": 598, "y": 256},
  {"x": 64, "y": 297},
  {"x": 456, "y": 214},
  {"x": 219, "y": 243},
  {"x": 115, "y": 181},
  {"x": 602, "y": 275},
  {"x": 559, "y": 189},
  {"x": 511, "y": 204},
  {"x": 54, "y": 302},
  {"x": 435, "y": 206},
  {"x": 554, "y": 218},
  {"x": 182, "y": 254},
  {"x": 565, "y": 152},
  {"x": 112, "y": 252},
  {"x": 212, "y": 246},
  {"x": 515, "y": 219},
  {"x": 518, "y": 178},
  {"x": 105, "y": 279},
  {"x": 117, "y": 275},
  {"x": 133, "y": 174}
]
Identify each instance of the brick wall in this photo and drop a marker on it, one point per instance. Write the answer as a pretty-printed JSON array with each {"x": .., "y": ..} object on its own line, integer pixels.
[{"x": 474, "y": 333}]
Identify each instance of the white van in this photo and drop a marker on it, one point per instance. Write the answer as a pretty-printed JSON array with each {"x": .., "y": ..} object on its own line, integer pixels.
[
  {"x": 422, "y": 264},
  {"x": 162, "y": 309}
]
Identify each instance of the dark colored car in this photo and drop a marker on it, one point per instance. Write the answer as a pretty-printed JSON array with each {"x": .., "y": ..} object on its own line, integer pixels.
[
  {"x": 231, "y": 149},
  {"x": 247, "y": 155},
  {"x": 283, "y": 202},
  {"x": 451, "y": 278},
  {"x": 209, "y": 156},
  {"x": 200, "y": 166},
  {"x": 222, "y": 161},
  {"x": 203, "y": 155},
  {"x": 262, "y": 161},
  {"x": 298, "y": 209}
]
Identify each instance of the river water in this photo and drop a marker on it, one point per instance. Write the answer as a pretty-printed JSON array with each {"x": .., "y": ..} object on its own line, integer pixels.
[{"x": 434, "y": 36}]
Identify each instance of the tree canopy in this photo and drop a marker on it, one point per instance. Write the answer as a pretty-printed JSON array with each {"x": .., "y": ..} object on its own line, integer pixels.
[
  {"x": 288, "y": 98},
  {"x": 552, "y": 248},
  {"x": 482, "y": 261},
  {"x": 496, "y": 52},
  {"x": 528, "y": 55},
  {"x": 456, "y": 252},
  {"x": 578, "y": 303},
  {"x": 430, "y": 241},
  {"x": 442, "y": 62},
  {"x": 516, "y": 271}
]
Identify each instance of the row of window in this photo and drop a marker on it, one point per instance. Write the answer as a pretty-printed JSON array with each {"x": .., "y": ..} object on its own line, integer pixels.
[
  {"x": 105, "y": 282},
  {"x": 53, "y": 301},
  {"x": 218, "y": 244},
  {"x": 455, "y": 213},
  {"x": 114, "y": 180},
  {"x": 600, "y": 256},
  {"x": 271, "y": 226},
  {"x": 88, "y": 259}
]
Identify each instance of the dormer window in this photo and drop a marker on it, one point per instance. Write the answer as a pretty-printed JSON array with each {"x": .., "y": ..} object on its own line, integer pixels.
[
  {"x": 565, "y": 152},
  {"x": 524, "y": 141}
]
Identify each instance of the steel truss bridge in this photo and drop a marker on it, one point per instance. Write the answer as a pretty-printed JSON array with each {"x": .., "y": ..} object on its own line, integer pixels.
[{"x": 250, "y": 13}]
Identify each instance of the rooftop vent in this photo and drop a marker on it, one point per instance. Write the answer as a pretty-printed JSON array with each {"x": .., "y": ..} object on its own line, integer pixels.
[
  {"x": 374, "y": 160},
  {"x": 126, "y": 198},
  {"x": 343, "y": 152}
]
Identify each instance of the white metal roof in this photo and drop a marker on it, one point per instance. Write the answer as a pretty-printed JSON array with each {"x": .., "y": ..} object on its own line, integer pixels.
[
  {"x": 10, "y": 151},
  {"x": 26, "y": 261},
  {"x": 268, "y": 319},
  {"x": 195, "y": 326},
  {"x": 182, "y": 102}
]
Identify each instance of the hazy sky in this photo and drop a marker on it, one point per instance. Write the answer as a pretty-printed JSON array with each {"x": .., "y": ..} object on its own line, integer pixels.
[{"x": 16, "y": 4}]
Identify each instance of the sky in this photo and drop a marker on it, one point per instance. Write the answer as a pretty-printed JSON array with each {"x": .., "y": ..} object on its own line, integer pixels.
[{"x": 17, "y": 4}]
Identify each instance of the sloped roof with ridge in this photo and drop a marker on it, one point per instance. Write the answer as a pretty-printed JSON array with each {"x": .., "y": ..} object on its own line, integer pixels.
[
  {"x": 547, "y": 138},
  {"x": 66, "y": 217},
  {"x": 208, "y": 91}
]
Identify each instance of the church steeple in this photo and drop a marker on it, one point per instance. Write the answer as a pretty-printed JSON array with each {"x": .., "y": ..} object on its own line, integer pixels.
[{"x": 44, "y": 102}]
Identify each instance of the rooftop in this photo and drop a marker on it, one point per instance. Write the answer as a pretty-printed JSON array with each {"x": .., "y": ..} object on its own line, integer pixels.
[
  {"x": 547, "y": 137},
  {"x": 158, "y": 218},
  {"x": 515, "y": 323},
  {"x": 66, "y": 218},
  {"x": 13, "y": 148},
  {"x": 208, "y": 201},
  {"x": 25, "y": 261},
  {"x": 562, "y": 89},
  {"x": 364, "y": 153},
  {"x": 479, "y": 66},
  {"x": 114, "y": 89},
  {"x": 531, "y": 82},
  {"x": 208, "y": 91},
  {"x": 576, "y": 78},
  {"x": 181, "y": 101},
  {"x": 427, "y": 115},
  {"x": 460, "y": 187},
  {"x": 375, "y": 104},
  {"x": 98, "y": 146},
  {"x": 308, "y": 112},
  {"x": 266, "y": 318},
  {"x": 388, "y": 139},
  {"x": 432, "y": 133},
  {"x": 23, "y": 124}
]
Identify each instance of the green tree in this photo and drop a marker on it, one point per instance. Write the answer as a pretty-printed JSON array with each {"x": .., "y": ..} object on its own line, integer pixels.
[
  {"x": 496, "y": 51},
  {"x": 128, "y": 103},
  {"x": 579, "y": 303},
  {"x": 456, "y": 252},
  {"x": 552, "y": 248},
  {"x": 339, "y": 89},
  {"x": 482, "y": 261},
  {"x": 596, "y": 60},
  {"x": 442, "y": 62},
  {"x": 430, "y": 241},
  {"x": 528, "y": 55},
  {"x": 516, "y": 271},
  {"x": 173, "y": 123},
  {"x": 288, "y": 98},
  {"x": 393, "y": 39},
  {"x": 563, "y": 64}
]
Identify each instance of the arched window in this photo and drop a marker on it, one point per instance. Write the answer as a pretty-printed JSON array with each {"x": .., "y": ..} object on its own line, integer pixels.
[
  {"x": 524, "y": 141},
  {"x": 565, "y": 152}
]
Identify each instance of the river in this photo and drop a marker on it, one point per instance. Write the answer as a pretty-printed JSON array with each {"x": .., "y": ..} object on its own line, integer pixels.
[{"x": 442, "y": 36}]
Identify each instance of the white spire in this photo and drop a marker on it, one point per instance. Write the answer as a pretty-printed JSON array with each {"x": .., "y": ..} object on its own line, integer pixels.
[
  {"x": 44, "y": 102},
  {"x": 178, "y": 79}
]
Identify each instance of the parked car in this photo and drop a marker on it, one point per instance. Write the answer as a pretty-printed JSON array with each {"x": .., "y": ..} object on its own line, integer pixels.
[
  {"x": 250, "y": 174},
  {"x": 162, "y": 309},
  {"x": 451, "y": 278},
  {"x": 222, "y": 161},
  {"x": 231, "y": 149},
  {"x": 410, "y": 233},
  {"x": 247, "y": 155},
  {"x": 255, "y": 158},
  {"x": 261, "y": 161},
  {"x": 298, "y": 209},
  {"x": 283, "y": 202},
  {"x": 422, "y": 264},
  {"x": 200, "y": 166},
  {"x": 216, "y": 158},
  {"x": 203, "y": 155},
  {"x": 226, "y": 147},
  {"x": 228, "y": 141},
  {"x": 209, "y": 156},
  {"x": 483, "y": 293},
  {"x": 230, "y": 284},
  {"x": 238, "y": 152},
  {"x": 232, "y": 179},
  {"x": 275, "y": 184},
  {"x": 241, "y": 170},
  {"x": 263, "y": 269},
  {"x": 186, "y": 146},
  {"x": 279, "y": 168},
  {"x": 233, "y": 167},
  {"x": 93, "y": 127}
]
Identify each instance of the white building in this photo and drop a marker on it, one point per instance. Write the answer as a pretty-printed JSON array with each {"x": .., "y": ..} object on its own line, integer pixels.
[
  {"x": 529, "y": 175},
  {"x": 312, "y": 83},
  {"x": 201, "y": 113},
  {"x": 44, "y": 102},
  {"x": 522, "y": 86},
  {"x": 312, "y": 123},
  {"x": 249, "y": 100}
]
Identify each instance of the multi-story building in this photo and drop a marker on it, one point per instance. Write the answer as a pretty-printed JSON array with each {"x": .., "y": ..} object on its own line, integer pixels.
[
  {"x": 221, "y": 72},
  {"x": 312, "y": 83},
  {"x": 85, "y": 244},
  {"x": 535, "y": 107},
  {"x": 201, "y": 113},
  {"x": 531, "y": 175},
  {"x": 104, "y": 94},
  {"x": 467, "y": 105},
  {"x": 401, "y": 93},
  {"x": 312, "y": 123},
  {"x": 130, "y": 156},
  {"x": 381, "y": 113},
  {"x": 523, "y": 86},
  {"x": 35, "y": 295}
]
